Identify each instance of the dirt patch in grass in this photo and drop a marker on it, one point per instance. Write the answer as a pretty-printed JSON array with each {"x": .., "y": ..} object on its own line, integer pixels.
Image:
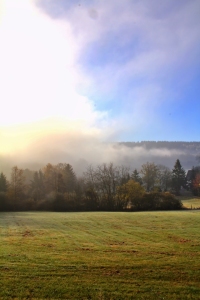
[
  {"x": 179, "y": 240},
  {"x": 27, "y": 233},
  {"x": 48, "y": 245}
]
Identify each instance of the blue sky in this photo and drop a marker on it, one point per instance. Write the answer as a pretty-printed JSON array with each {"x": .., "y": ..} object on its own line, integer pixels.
[
  {"x": 142, "y": 62},
  {"x": 98, "y": 71}
]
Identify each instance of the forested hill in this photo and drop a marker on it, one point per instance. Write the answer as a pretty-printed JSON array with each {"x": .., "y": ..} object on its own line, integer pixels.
[
  {"x": 185, "y": 146},
  {"x": 129, "y": 154},
  {"x": 164, "y": 152}
]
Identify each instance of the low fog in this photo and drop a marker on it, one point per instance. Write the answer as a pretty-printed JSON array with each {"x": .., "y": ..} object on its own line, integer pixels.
[{"x": 33, "y": 150}]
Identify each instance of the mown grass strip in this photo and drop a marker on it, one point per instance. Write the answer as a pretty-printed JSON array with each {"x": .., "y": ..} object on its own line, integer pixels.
[{"x": 145, "y": 255}]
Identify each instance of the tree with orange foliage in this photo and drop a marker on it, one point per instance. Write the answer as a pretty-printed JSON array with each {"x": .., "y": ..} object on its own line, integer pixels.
[{"x": 196, "y": 184}]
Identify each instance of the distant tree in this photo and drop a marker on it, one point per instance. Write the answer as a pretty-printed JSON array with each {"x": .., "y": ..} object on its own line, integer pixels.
[
  {"x": 28, "y": 175},
  {"x": 3, "y": 190},
  {"x": 149, "y": 173},
  {"x": 107, "y": 180},
  {"x": 122, "y": 174},
  {"x": 3, "y": 183},
  {"x": 91, "y": 190},
  {"x": 61, "y": 186},
  {"x": 164, "y": 178},
  {"x": 37, "y": 188},
  {"x": 91, "y": 200},
  {"x": 102, "y": 182},
  {"x": 60, "y": 177},
  {"x": 178, "y": 177},
  {"x": 16, "y": 186},
  {"x": 136, "y": 177},
  {"x": 50, "y": 178},
  {"x": 69, "y": 177},
  {"x": 190, "y": 177},
  {"x": 196, "y": 184},
  {"x": 130, "y": 194},
  {"x": 160, "y": 201}
]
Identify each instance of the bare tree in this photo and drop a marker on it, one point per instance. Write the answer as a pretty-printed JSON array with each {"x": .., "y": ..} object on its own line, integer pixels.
[
  {"x": 103, "y": 181},
  {"x": 17, "y": 185},
  {"x": 164, "y": 178},
  {"x": 149, "y": 173}
]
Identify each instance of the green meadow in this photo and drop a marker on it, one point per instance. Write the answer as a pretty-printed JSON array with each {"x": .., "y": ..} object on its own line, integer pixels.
[
  {"x": 100, "y": 255},
  {"x": 190, "y": 202}
]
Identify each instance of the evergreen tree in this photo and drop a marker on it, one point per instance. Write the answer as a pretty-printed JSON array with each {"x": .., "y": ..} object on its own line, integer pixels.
[
  {"x": 136, "y": 177},
  {"x": 3, "y": 183},
  {"x": 69, "y": 178},
  {"x": 178, "y": 177},
  {"x": 3, "y": 190}
]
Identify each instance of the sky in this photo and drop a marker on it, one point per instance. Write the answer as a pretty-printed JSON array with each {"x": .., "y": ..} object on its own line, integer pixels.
[{"x": 90, "y": 72}]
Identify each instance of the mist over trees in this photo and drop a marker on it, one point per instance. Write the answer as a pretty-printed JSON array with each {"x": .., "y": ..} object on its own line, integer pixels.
[
  {"x": 166, "y": 152},
  {"x": 104, "y": 187},
  {"x": 127, "y": 185},
  {"x": 80, "y": 151}
]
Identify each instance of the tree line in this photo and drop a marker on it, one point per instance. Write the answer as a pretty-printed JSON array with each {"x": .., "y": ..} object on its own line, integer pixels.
[{"x": 104, "y": 187}]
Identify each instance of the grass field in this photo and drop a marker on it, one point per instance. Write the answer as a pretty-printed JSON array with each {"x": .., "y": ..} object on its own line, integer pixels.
[
  {"x": 146, "y": 255},
  {"x": 190, "y": 202}
]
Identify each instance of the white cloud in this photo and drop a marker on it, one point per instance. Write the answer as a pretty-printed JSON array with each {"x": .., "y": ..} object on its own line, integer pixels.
[
  {"x": 163, "y": 41},
  {"x": 39, "y": 74}
]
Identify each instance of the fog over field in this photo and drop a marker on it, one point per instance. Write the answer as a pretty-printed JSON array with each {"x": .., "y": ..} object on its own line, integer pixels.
[{"x": 81, "y": 149}]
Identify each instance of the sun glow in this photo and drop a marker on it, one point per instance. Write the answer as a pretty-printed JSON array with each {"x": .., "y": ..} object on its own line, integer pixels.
[
  {"x": 23, "y": 138},
  {"x": 38, "y": 74},
  {"x": 39, "y": 78}
]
